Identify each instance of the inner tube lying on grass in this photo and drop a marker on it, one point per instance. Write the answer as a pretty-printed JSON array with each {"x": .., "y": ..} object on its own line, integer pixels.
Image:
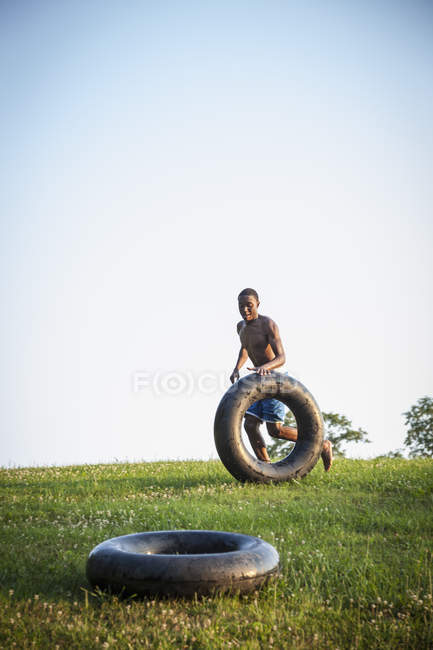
[
  {"x": 181, "y": 563},
  {"x": 227, "y": 428}
]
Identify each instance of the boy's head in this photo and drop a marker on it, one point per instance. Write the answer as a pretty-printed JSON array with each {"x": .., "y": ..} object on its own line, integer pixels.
[{"x": 248, "y": 300}]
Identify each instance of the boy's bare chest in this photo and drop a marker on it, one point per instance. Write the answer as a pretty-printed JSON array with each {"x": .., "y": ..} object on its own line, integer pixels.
[{"x": 253, "y": 338}]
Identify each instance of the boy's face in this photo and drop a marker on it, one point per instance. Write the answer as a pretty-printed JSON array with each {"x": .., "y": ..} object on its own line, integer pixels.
[{"x": 248, "y": 306}]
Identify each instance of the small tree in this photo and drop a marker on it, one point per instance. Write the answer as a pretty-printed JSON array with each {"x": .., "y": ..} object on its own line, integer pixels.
[
  {"x": 419, "y": 436},
  {"x": 338, "y": 429}
]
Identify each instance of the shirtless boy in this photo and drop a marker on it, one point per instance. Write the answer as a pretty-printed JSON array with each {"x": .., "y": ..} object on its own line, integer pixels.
[{"x": 260, "y": 341}]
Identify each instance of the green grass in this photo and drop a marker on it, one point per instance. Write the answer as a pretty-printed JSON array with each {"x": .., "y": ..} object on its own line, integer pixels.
[{"x": 355, "y": 548}]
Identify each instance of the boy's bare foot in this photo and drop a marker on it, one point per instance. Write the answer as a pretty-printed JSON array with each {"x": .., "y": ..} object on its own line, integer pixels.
[{"x": 327, "y": 455}]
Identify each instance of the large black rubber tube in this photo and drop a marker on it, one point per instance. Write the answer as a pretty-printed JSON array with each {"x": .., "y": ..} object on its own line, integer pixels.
[
  {"x": 182, "y": 563},
  {"x": 227, "y": 428}
]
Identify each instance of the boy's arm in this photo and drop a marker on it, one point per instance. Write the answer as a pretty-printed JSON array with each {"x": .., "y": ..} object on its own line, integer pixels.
[
  {"x": 242, "y": 357},
  {"x": 277, "y": 348}
]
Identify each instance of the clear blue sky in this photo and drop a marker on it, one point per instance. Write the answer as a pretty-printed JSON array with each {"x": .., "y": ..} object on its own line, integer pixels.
[{"x": 156, "y": 158}]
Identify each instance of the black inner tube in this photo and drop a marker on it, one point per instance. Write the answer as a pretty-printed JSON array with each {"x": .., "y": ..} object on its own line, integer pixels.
[
  {"x": 228, "y": 422},
  {"x": 182, "y": 563}
]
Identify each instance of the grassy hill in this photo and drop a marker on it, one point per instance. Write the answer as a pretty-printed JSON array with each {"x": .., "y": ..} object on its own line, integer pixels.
[{"x": 355, "y": 548}]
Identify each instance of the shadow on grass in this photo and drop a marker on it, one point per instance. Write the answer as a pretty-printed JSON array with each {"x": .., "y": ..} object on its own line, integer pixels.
[
  {"x": 136, "y": 484},
  {"x": 48, "y": 585}
]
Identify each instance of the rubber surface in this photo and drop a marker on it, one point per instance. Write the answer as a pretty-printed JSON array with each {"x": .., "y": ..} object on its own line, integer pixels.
[
  {"x": 182, "y": 563},
  {"x": 228, "y": 420}
]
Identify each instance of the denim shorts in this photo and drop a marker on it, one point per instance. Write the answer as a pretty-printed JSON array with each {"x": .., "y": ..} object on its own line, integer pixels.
[{"x": 268, "y": 410}]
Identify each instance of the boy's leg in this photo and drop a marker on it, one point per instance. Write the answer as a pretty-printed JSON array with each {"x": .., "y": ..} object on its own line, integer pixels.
[
  {"x": 327, "y": 455},
  {"x": 278, "y": 430},
  {"x": 252, "y": 427}
]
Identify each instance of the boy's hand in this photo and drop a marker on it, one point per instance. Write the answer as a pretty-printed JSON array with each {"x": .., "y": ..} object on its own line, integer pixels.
[
  {"x": 260, "y": 370},
  {"x": 234, "y": 376}
]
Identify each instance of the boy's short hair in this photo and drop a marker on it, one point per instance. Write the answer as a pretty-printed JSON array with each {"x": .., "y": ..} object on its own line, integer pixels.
[{"x": 249, "y": 292}]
